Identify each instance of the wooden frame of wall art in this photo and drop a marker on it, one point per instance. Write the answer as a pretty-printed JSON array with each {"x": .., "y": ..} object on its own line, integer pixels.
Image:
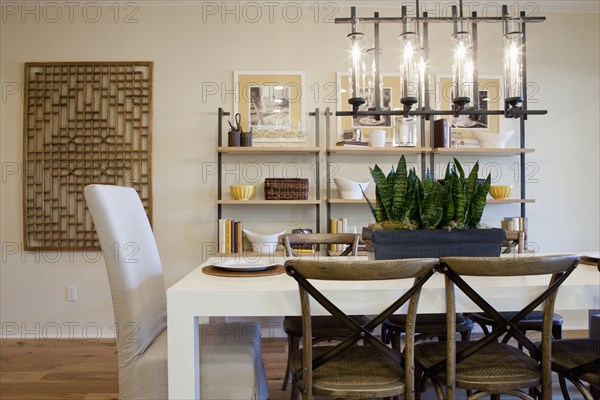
[{"x": 271, "y": 103}]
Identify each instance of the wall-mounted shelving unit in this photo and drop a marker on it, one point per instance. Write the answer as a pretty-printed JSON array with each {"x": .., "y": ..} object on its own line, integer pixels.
[
  {"x": 271, "y": 151},
  {"x": 426, "y": 152}
]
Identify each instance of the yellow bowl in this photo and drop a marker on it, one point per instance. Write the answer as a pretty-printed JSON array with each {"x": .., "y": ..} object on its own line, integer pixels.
[
  {"x": 500, "y": 191},
  {"x": 242, "y": 192}
]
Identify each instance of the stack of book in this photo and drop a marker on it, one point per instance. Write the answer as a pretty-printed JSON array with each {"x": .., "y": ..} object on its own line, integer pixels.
[
  {"x": 230, "y": 236},
  {"x": 351, "y": 143},
  {"x": 338, "y": 225}
]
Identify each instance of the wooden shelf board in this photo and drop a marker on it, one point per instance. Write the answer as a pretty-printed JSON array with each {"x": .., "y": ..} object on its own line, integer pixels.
[
  {"x": 269, "y": 150},
  {"x": 377, "y": 150},
  {"x": 490, "y": 201},
  {"x": 350, "y": 201},
  {"x": 269, "y": 202},
  {"x": 477, "y": 151},
  {"x": 337, "y": 253},
  {"x": 509, "y": 201}
]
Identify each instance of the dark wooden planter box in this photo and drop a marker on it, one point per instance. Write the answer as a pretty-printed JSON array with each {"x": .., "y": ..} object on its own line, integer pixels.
[{"x": 397, "y": 244}]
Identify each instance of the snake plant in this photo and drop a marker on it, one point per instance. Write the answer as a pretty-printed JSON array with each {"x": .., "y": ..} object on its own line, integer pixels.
[{"x": 403, "y": 201}]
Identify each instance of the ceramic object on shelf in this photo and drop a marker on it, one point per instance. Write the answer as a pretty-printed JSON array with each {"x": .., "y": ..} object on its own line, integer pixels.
[
  {"x": 350, "y": 189},
  {"x": 377, "y": 138},
  {"x": 492, "y": 140},
  {"x": 499, "y": 192},
  {"x": 242, "y": 192},
  {"x": 263, "y": 243}
]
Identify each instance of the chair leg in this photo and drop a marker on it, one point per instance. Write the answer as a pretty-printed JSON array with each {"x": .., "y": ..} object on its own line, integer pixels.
[
  {"x": 420, "y": 382},
  {"x": 465, "y": 335},
  {"x": 293, "y": 345},
  {"x": 438, "y": 390},
  {"x": 595, "y": 390},
  {"x": 556, "y": 332},
  {"x": 385, "y": 335},
  {"x": 563, "y": 387},
  {"x": 396, "y": 339}
]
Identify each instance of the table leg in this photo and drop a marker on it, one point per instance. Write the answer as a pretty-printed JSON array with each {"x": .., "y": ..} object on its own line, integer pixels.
[{"x": 183, "y": 343}]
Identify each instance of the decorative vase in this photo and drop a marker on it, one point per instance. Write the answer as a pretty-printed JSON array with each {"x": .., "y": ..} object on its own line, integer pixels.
[
  {"x": 263, "y": 243},
  {"x": 350, "y": 189}
]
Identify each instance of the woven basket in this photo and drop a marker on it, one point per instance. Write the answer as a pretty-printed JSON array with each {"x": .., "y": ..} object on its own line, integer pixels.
[{"x": 286, "y": 189}]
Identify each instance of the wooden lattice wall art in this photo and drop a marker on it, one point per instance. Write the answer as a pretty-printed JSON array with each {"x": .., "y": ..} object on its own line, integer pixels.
[{"x": 84, "y": 123}]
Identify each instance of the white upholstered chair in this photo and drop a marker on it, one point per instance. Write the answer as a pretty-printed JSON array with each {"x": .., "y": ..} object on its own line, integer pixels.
[{"x": 231, "y": 365}]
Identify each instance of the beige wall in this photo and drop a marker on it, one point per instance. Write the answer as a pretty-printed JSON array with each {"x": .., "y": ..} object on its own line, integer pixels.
[{"x": 191, "y": 50}]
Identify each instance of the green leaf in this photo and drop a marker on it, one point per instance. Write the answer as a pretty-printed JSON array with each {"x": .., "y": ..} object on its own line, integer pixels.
[
  {"x": 371, "y": 207},
  {"x": 383, "y": 192},
  {"x": 400, "y": 187},
  {"x": 460, "y": 170},
  {"x": 478, "y": 203},
  {"x": 380, "y": 214},
  {"x": 471, "y": 182},
  {"x": 460, "y": 203},
  {"x": 431, "y": 211},
  {"x": 448, "y": 172}
]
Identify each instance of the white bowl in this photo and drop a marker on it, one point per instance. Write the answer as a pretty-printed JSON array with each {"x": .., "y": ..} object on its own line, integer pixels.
[
  {"x": 350, "y": 189},
  {"x": 263, "y": 243},
  {"x": 492, "y": 140}
]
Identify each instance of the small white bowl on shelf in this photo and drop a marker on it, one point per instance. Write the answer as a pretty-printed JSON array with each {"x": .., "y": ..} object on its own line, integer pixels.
[
  {"x": 489, "y": 140},
  {"x": 263, "y": 243},
  {"x": 350, "y": 189}
]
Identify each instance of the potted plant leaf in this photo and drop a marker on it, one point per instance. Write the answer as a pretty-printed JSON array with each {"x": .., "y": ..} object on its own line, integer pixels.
[{"x": 430, "y": 218}]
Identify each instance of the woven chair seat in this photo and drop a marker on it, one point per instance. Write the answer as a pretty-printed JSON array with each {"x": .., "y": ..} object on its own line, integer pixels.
[
  {"x": 495, "y": 367},
  {"x": 323, "y": 326},
  {"x": 361, "y": 369},
  {"x": 429, "y": 323},
  {"x": 533, "y": 320},
  {"x": 567, "y": 354}
]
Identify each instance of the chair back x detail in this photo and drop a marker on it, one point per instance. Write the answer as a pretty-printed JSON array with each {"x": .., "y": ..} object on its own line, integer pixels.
[
  {"x": 324, "y": 328},
  {"x": 312, "y": 375},
  {"x": 512, "y": 369}
]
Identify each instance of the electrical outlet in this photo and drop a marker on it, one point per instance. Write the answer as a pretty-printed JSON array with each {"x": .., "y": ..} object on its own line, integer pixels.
[{"x": 71, "y": 293}]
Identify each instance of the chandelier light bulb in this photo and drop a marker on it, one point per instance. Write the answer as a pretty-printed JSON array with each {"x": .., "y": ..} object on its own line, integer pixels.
[
  {"x": 513, "y": 61},
  {"x": 410, "y": 68},
  {"x": 462, "y": 68},
  {"x": 356, "y": 84}
]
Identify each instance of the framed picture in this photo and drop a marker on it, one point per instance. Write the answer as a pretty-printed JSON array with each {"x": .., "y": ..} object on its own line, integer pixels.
[
  {"x": 490, "y": 98},
  {"x": 271, "y": 104},
  {"x": 390, "y": 100}
]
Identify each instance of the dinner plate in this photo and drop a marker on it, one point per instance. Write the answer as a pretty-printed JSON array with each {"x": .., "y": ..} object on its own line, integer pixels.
[{"x": 242, "y": 265}]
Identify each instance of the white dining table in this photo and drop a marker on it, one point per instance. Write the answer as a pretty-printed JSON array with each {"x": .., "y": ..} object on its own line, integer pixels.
[{"x": 198, "y": 296}]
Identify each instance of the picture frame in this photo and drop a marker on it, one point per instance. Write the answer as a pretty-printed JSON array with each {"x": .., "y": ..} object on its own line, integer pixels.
[
  {"x": 271, "y": 103},
  {"x": 391, "y": 100},
  {"x": 490, "y": 98}
]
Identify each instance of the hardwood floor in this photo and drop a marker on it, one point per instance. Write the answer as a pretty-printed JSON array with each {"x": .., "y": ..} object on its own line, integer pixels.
[{"x": 87, "y": 370}]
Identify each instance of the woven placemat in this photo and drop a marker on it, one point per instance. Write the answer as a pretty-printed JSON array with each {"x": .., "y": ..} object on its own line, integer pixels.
[{"x": 212, "y": 270}]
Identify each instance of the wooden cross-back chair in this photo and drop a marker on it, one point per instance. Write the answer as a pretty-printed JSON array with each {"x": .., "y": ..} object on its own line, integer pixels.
[
  {"x": 487, "y": 367},
  {"x": 578, "y": 360},
  {"x": 348, "y": 370},
  {"x": 324, "y": 327},
  {"x": 307, "y": 239}
]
